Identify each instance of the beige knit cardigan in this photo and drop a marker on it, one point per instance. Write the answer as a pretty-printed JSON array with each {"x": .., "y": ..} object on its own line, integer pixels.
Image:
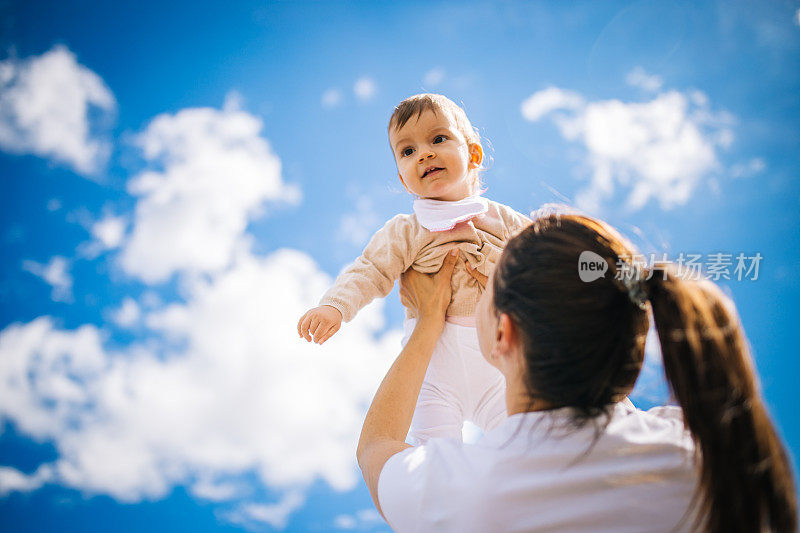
[{"x": 403, "y": 243}]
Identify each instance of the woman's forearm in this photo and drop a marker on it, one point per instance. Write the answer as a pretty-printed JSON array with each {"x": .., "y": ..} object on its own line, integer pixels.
[{"x": 389, "y": 416}]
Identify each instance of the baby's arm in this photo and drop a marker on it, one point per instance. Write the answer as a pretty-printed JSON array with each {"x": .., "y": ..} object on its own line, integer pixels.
[
  {"x": 515, "y": 221},
  {"x": 387, "y": 255}
]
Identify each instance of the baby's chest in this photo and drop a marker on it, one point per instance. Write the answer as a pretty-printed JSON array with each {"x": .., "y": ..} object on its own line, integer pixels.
[{"x": 480, "y": 248}]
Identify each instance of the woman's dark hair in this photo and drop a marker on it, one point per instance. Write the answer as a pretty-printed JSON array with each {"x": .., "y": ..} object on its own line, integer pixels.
[{"x": 584, "y": 347}]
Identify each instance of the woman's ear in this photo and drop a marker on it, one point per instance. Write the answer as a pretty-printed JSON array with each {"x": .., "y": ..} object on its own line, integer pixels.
[
  {"x": 507, "y": 354},
  {"x": 507, "y": 336},
  {"x": 475, "y": 155}
]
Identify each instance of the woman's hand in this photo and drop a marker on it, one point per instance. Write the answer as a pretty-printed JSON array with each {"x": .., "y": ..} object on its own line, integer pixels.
[{"x": 429, "y": 295}]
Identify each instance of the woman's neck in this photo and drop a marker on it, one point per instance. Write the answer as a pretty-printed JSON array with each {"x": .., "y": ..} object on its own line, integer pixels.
[{"x": 519, "y": 400}]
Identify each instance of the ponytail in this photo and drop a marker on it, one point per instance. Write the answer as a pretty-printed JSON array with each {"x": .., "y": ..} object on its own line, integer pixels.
[{"x": 745, "y": 479}]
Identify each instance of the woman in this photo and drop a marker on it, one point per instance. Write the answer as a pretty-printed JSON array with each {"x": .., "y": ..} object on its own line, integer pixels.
[{"x": 574, "y": 455}]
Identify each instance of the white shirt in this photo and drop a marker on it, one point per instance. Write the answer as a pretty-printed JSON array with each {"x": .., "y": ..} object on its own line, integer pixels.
[{"x": 533, "y": 473}]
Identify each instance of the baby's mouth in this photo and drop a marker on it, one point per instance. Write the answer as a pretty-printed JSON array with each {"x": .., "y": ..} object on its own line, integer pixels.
[{"x": 431, "y": 171}]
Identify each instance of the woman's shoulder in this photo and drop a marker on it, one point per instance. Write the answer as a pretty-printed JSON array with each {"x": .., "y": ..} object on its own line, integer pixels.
[
  {"x": 436, "y": 460},
  {"x": 672, "y": 413},
  {"x": 659, "y": 425},
  {"x": 435, "y": 455},
  {"x": 418, "y": 477}
]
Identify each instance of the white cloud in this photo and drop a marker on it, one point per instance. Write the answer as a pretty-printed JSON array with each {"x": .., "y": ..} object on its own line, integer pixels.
[
  {"x": 363, "y": 519},
  {"x": 221, "y": 391},
  {"x": 211, "y": 490},
  {"x": 658, "y": 149},
  {"x": 365, "y": 88},
  {"x": 229, "y": 391},
  {"x": 56, "y": 274},
  {"x": 275, "y": 515},
  {"x": 107, "y": 234},
  {"x": 12, "y": 480},
  {"x": 211, "y": 174},
  {"x": 746, "y": 170},
  {"x": 43, "y": 372},
  {"x": 109, "y": 231},
  {"x": 433, "y": 77},
  {"x": 357, "y": 227},
  {"x": 331, "y": 98},
  {"x": 45, "y": 107},
  {"x": 639, "y": 78},
  {"x": 543, "y": 102},
  {"x": 369, "y": 516},
  {"x": 128, "y": 314},
  {"x": 345, "y": 521},
  {"x": 797, "y": 17}
]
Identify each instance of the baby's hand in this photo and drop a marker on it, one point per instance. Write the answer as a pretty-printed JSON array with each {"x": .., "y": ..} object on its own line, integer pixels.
[{"x": 320, "y": 323}]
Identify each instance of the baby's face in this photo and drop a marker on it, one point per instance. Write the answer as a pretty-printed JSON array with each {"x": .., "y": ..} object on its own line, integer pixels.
[{"x": 433, "y": 159}]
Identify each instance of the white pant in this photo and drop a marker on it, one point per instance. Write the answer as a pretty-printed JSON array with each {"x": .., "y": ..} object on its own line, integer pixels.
[{"x": 459, "y": 385}]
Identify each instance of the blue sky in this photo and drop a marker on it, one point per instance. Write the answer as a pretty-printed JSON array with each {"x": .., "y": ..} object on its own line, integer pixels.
[{"x": 182, "y": 180}]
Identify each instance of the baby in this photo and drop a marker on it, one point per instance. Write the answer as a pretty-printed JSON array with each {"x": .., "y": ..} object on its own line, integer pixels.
[{"x": 439, "y": 156}]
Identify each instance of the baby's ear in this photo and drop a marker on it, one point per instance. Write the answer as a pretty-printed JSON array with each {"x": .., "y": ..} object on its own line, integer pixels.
[{"x": 475, "y": 154}]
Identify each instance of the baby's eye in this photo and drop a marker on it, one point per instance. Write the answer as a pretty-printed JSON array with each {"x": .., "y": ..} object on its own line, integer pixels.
[
  {"x": 439, "y": 139},
  {"x": 407, "y": 151}
]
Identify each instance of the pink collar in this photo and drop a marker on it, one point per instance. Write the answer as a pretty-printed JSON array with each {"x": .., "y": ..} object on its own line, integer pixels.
[{"x": 439, "y": 215}]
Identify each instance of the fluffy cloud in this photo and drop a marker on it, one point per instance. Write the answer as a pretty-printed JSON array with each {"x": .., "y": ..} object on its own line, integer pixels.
[
  {"x": 746, "y": 170},
  {"x": 128, "y": 314},
  {"x": 543, "y": 102},
  {"x": 639, "y": 78},
  {"x": 56, "y": 274},
  {"x": 365, "y": 88},
  {"x": 12, "y": 480},
  {"x": 211, "y": 173},
  {"x": 45, "y": 106},
  {"x": 363, "y": 519},
  {"x": 659, "y": 149},
  {"x": 109, "y": 231},
  {"x": 275, "y": 515},
  {"x": 228, "y": 391},
  {"x": 218, "y": 390},
  {"x": 107, "y": 234},
  {"x": 345, "y": 521}
]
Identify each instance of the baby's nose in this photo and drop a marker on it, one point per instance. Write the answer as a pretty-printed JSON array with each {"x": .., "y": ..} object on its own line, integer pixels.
[{"x": 424, "y": 156}]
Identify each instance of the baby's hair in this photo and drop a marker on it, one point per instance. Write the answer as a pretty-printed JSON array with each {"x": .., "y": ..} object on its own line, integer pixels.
[{"x": 419, "y": 103}]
